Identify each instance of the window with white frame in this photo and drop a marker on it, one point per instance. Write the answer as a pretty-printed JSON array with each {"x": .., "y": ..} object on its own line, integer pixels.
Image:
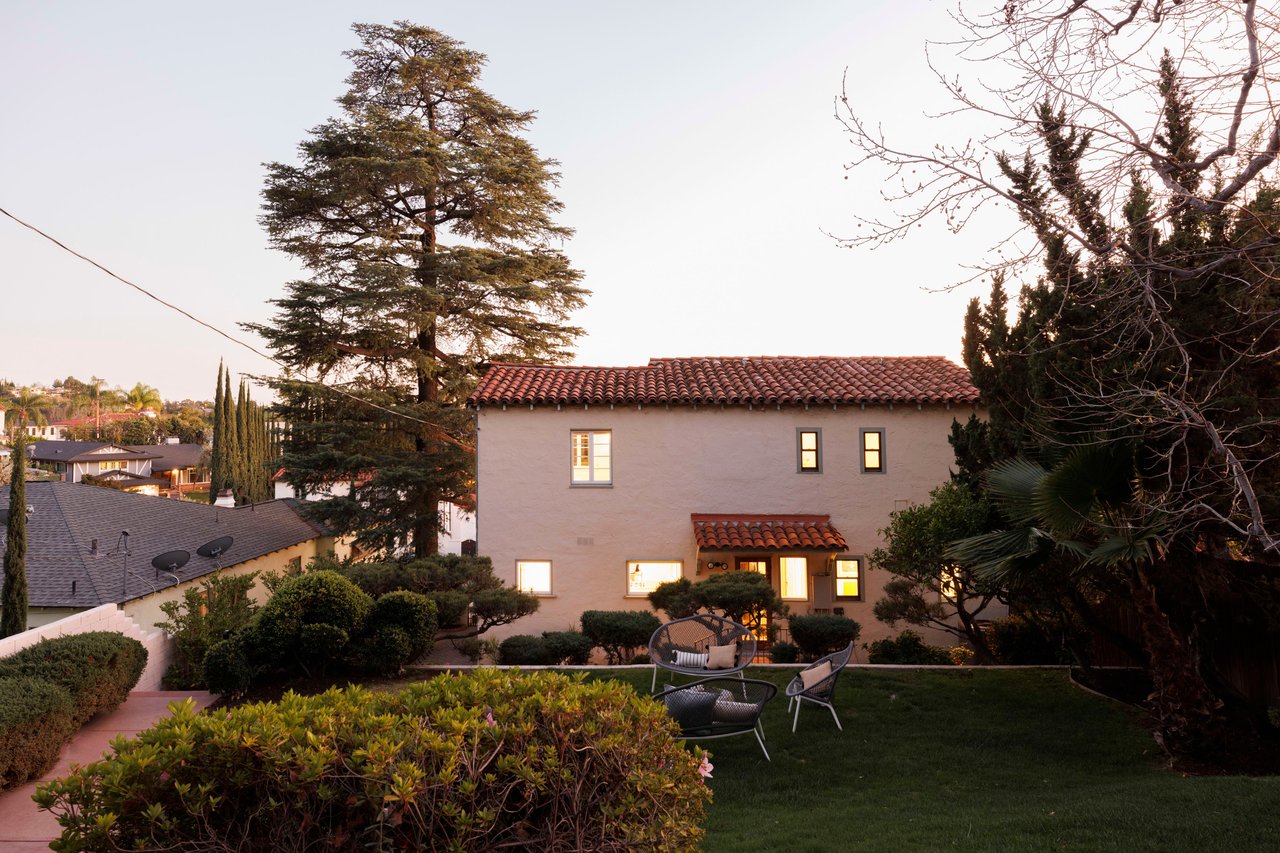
[
  {"x": 809, "y": 451},
  {"x": 111, "y": 465},
  {"x": 794, "y": 572},
  {"x": 849, "y": 578},
  {"x": 644, "y": 576},
  {"x": 872, "y": 451},
  {"x": 533, "y": 576},
  {"x": 591, "y": 457}
]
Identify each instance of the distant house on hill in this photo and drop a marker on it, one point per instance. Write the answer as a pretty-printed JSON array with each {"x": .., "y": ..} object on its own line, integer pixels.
[
  {"x": 72, "y": 461},
  {"x": 182, "y": 466},
  {"x": 89, "y": 546},
  {"x": 57, "y": 430},
  {"x": 597, "y": 484}
]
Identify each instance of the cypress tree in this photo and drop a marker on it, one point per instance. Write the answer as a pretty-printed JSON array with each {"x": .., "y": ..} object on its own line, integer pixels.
[
  {"x": 13, "y": 600},
  {"x": 425, "y": 221},
  {"x": 218, "y": 464},
  {"x": 230, "y": 443}
]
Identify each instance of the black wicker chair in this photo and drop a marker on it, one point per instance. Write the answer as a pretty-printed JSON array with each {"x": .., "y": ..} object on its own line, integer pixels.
[
  {"x": 823, "y": 692},
  {"x": 677, "y": 646},
  {"x": 719, "y": 707}
]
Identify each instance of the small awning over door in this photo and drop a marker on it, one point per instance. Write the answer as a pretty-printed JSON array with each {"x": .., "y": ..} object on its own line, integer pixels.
[{"x": 731, "y": 532}]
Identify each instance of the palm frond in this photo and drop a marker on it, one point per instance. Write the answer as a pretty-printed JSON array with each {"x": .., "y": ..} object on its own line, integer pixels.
[{"x": 1012, "y": 484}]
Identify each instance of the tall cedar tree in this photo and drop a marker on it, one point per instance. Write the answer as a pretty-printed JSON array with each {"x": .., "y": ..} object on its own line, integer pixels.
[
  {"x": 425, "y": 221},
  {"x": 218, "y": 473},
  {"x": 13, "y": 600}
]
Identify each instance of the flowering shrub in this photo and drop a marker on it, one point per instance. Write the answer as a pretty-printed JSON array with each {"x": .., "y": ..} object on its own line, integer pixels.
[{"x": 476, "y": 762}]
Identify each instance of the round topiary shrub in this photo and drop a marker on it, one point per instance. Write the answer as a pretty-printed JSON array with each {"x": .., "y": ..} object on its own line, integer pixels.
[
  {"x": 784, "y": 652},
  {"x": 412, "y": 613},
  {"x": 619, "y": 632},
  {"x": 484, "y": 761},
  {"x": 310, "y": 620},
  {"x": 822, "y": 633},
  {"x": 524, "y": 650},
  {"x": 568, "y": 647}
]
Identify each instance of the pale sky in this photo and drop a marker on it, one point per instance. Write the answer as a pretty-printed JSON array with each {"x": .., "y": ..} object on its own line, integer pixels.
[{"x": 701, "y": 165}]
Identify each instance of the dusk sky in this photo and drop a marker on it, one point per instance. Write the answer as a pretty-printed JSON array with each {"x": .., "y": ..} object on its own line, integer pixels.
[{"x": 702, "y": 168}]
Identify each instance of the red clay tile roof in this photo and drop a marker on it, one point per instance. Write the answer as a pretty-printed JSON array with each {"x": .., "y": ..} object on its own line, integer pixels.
[
  {"x": 761, "y": 380},
  {"x": 717, "y": 532}
]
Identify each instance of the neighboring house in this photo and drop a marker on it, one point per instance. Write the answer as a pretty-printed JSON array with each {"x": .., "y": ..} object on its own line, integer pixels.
[
  {"x": 88, "y": 546},
  {"x": 182, "y": 467},
  {"x": 458, "y": 524},
  {"x": 596, "y": 484},
  {"x": 57, "y": 430},
  {"x": 72, "y": 461}
]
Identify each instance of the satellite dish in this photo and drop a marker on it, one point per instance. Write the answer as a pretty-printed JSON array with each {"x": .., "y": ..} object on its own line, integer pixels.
[
  {"x": 171, "y": 561},
  {"x": 216, "y": 548}
]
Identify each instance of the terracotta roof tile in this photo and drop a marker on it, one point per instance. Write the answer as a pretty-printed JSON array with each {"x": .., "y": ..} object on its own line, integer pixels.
[
  {"x": 760, "y": 380},
  {"x": 719, "y": 532}
]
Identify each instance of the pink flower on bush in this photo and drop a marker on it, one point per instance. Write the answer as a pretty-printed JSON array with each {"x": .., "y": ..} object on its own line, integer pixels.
[
  {"x": 489, "y": 721},
  {"x": 705, "y": 768},
  {"x": 164, "y": 776}
]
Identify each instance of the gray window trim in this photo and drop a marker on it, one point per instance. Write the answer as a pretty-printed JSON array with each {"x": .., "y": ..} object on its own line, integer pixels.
[
  {"x": 799, "y": 432},
  {"x": 596, "y": 484},
  {"x": 862, "y": 450},
  {"x": 862, "y": 578}
]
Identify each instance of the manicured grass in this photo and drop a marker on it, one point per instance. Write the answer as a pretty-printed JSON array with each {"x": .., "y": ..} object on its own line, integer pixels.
[{"x": 970, "y": 759}]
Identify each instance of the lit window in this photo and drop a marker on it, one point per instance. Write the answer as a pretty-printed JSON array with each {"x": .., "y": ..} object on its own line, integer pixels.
[
  {"x": 592, "y": 458},
  {"x": 111, "y": 465},
  {"x": 795, "y": 578},
  {"x": 948, "y": 585},
  {"x": 644, "y": 576},
  {"x": 872, "y": 451},
  {"x": 849, "y": 577},
  {"x": 534, "y": 576},
  {"x": 809, "y": 451}
]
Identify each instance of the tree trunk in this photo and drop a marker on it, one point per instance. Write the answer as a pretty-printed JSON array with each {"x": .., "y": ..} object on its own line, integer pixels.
[{"x": 1187, "y": 713}]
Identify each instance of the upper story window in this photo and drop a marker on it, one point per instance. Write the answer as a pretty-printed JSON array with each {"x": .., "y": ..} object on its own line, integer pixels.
[
  {"x": 872, "y": 450},
  {"x": 849, "y": 578},
  {"x": 111, "y": 465},
  {"x": 592, "y": 458},
  {"x": 809, "y": 451}
]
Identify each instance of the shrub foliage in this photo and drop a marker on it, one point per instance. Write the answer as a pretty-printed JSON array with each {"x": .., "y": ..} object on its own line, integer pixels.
[
  {"x": 909, "y": 648},
  {"x": 199, "y": 619},
  {"x": 619, "y": 632},
  {"x": 484, "y": 761},
  {"x": 823, "y": 633}
]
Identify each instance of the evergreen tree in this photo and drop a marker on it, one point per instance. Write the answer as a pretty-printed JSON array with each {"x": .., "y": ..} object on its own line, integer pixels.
[
  {"x": 424, "y": 219},
  {"x": 13, "y": 599},
  {"x": 230, "y": 438},
  {"x": 218, "y": 462},
  {"x": 244, "y": 447}
]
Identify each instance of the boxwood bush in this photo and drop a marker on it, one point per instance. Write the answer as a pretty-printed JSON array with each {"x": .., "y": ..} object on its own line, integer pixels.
[
  {"x": 49, "y": 690},
  {"x": 524, "y": 650},
  {"x": 908, "y": 648},
  {"x": 484, "y": 761},
  {"x": 309, "y": 621},
  {"x": 568, "y": 647},
  {"x": 619, "y": 632},
  {"x": 36, "y": 720},
  {"x": 822, "y": 633}
]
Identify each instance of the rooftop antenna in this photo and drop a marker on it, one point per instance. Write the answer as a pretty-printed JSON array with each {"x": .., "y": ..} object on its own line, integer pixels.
[
  {"x": 170, "y": 562},
  {"x": 122, "y": 548},
  {"x": 215, "y": 549}
]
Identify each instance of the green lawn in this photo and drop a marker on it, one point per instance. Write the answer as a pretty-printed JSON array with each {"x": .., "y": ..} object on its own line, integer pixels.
[{"x": 971, "y": 760}]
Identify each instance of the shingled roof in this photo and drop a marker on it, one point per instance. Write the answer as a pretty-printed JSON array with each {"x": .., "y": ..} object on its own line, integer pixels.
[
  {"x": 760, "y": 380},
  {"x": 84, "y": 451},
  {"x": 66, "y": 519}
]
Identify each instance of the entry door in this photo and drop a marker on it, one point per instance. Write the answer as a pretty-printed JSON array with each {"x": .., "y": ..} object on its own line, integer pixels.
[{"x": 763, "y": 566}]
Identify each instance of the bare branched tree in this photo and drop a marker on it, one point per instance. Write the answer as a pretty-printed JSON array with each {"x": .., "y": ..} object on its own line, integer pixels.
[{"x": 1137, "y": 141}]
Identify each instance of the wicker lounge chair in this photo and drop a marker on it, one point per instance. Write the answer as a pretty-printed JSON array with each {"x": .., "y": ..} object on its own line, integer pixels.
[
  {"x": 682, "y": 646},
  {"x": 823, "y": 691},
  {"x": 719, "y": 707}
]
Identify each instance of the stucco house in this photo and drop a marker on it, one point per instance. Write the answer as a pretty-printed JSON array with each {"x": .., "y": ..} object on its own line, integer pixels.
[
  {"x": 596, "y": 484},
  {"x": 89, "y": 546}
]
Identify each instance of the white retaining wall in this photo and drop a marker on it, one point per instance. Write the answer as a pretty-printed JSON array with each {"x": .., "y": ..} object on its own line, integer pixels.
[{"x": 107, "y": 617}]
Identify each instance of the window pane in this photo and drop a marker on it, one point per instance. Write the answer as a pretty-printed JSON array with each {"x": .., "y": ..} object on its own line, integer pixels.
[
  {"x": 795, "y": 578},
  {"x": 808, "y": 441},
  {"x": 871, "y": 440},
  {"x": 643, "y": 576},
  {"x": 847, "y": 572},
  {"x": 808, "y": 459},
  {"x": 534, "y": 576},
  {"x": 871, "y": 459}
]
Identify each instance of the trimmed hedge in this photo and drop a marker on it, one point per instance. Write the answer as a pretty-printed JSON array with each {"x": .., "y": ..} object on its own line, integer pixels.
[
  {"x": 36, "y": 720},
  {"x": 524, "y": 650},
  {"x": 822, "y": 633},
  {"x": 49, "y": 690},
  {"x": 620, "y": 632},
  {"x": 568, "y": 647},
  {"x": 908, "y": 648},
  {"x": 784, "y": 652},
  {"x": 484, "y": 761},
  {"x": 309, "y": 621}
]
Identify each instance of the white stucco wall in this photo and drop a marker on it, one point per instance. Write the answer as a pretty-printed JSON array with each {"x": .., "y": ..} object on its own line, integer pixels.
[{"x": 669, "y": 463}]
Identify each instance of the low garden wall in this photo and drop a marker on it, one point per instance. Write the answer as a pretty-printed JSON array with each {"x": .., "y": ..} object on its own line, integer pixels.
[{"x": 107, "y": 617}]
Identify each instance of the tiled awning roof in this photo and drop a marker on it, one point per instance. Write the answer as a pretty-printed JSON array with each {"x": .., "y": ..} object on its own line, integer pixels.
[
  {"x": 765, "y": 380},
  {"x": 721, "y": 532}
]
